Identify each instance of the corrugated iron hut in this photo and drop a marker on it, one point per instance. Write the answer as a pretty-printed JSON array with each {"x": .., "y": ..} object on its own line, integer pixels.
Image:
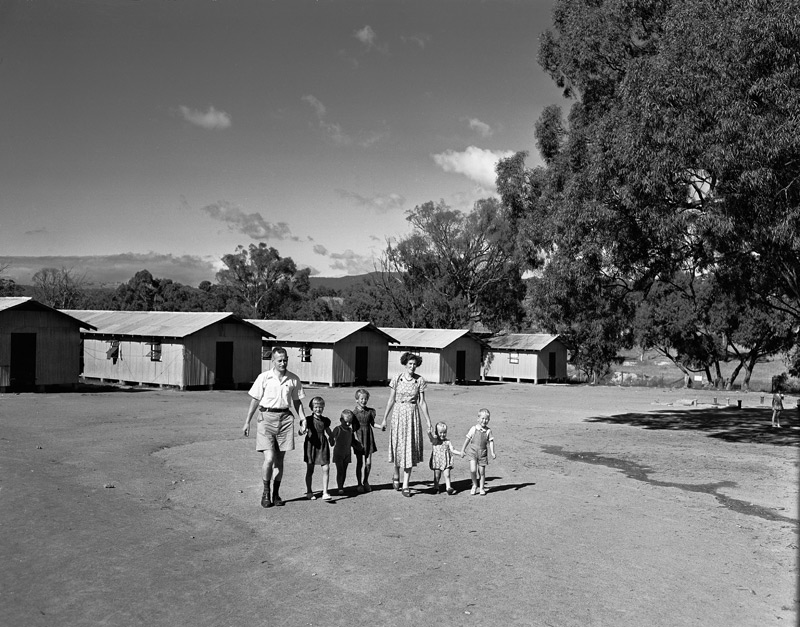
[
  {"x": 330, "y": 353},
  {"x": 448, "y": 355},
  {"x": 533, "y": 357},
  {"x": 39, "y": 346},
  {"x": 189, "y": 350}
]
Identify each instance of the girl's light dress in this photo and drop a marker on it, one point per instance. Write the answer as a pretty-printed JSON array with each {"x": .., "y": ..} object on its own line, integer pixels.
[
  {"x": 441, "y": 454},
  {"x": 405, "y": 437}
]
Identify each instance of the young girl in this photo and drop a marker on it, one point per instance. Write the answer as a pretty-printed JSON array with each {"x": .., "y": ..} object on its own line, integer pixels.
[
  {"x": 479, "y": 439},
  {"x": 365, "y": 420},
  {"x": 777, "y": 408},
  {"x": 442, "y": 457},
  {"x": 342, "y": 441},
  {"x": 316, "y": 451}
]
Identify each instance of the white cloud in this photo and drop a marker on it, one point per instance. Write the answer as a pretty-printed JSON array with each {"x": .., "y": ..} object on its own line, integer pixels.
[
  {"x": 481, "y": 127},
  {"x": 366, "y": 36},
  {"x": 352, "y": 262},
  {"x": 251, "y": 224},
  {"x": 420, "y": 40},
  {"x": 475, "y": 163},
  {"x": 379, "y": 203},
  {"x": 211, "y": 119},
  {"x": 320, "y": 250},
  {"x": 316, "y": 104},
  {"x": 335, "y": 131}
]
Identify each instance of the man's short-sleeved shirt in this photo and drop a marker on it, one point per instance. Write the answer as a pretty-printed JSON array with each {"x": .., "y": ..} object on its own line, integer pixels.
[{"x": 275, "y": 392}]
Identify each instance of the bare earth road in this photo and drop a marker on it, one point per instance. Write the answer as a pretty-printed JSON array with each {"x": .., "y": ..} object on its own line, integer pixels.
[{"x": 606, "y": 506}]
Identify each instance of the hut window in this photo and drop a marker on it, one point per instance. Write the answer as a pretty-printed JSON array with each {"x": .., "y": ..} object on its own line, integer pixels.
[
  {"x": 266, "y": 353},
  {"x": 513, "y": 358},
  {"x": 305, "y": 353},
  {"x": 155, "y": 351},
  {"x": 113, "y": 350}
]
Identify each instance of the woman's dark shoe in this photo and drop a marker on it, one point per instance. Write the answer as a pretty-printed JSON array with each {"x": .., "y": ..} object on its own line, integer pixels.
[
  {"x": 406, "y": 492},
  {"x": 451, "y": 491},
  {"x": 396, "y": 484}
]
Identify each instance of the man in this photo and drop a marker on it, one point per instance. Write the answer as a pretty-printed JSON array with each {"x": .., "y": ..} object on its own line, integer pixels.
[{"x": 274, "y": 393}]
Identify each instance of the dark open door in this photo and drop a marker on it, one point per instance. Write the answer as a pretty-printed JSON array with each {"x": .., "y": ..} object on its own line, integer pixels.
[
  {"x": 224, "y": 374},
  {"x": 362, "y": 364},
  {"x": 23, "y": 361},
  {"x": 551, "y": 365},
  {"x": 461, "y": 365}
]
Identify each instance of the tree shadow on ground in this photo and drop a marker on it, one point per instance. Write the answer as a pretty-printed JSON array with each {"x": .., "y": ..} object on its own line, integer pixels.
[{"x": 750, "y": 425}]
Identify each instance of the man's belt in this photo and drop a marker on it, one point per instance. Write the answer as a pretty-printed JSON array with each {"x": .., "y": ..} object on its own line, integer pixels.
[{"x": 276, "y": 410}]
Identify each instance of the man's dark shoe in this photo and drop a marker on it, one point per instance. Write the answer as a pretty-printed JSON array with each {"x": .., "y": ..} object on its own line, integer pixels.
[{"x": 265, "y": 500}]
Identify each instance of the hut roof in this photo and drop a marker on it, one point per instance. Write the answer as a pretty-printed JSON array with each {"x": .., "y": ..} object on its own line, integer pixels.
[
  {"x": 154, "y": 323},
  {"x": 26, "y": 303},
  {"x": 521, "y": 341},
  {"x": 328, "y": 332},
  {"x": 428, "y": 338}
]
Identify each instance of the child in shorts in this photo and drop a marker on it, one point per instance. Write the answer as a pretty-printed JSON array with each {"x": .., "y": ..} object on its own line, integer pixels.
[{"x": 478, "y": 444}]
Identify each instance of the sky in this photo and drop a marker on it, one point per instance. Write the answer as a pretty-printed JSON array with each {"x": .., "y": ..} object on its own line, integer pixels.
[{"x": 162, "y": 134}]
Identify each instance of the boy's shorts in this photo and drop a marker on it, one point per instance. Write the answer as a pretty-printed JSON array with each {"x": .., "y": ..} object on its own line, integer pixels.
[{"x": 275, "y": 431}]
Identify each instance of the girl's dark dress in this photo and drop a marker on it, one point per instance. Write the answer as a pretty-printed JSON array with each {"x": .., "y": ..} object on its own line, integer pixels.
[
  {"x": 316, "y": 449},
  {"x": 362, "y": 429}
]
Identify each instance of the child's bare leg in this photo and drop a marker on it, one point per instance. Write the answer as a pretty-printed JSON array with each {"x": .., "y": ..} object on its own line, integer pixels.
[
  {"x": 309, "y": 476},
  {"x": 482, "y": 475},
  {"x": 326, "y": 478},
  {"x": 359, "y": 465},
  {"x": 473, "y": 474},
  {"x": 437, "y": 476},
  {"x": 367, "y": 468},
  {"x": 447, "y": 479}
]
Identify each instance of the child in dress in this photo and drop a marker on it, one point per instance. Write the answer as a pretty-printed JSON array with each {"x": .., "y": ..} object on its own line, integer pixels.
[
  {"x": 442, "y": 457},
  {"x": 316, "y": 451},
  {"x": 777, "y": 408},
  {"x": 479, "y": 439},
  {"x": 362, "y": 430},
  {"x": 343, "y": 441}
]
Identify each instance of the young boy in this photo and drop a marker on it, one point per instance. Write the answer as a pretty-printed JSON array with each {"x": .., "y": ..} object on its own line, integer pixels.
[{"x": 479, "y": 441}]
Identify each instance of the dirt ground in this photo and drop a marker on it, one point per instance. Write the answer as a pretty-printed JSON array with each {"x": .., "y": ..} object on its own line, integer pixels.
[{"x": 606, "y": 506}]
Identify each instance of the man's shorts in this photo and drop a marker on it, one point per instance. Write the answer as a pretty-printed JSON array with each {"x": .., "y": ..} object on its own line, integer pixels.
[{"x": 275, "y": 431}]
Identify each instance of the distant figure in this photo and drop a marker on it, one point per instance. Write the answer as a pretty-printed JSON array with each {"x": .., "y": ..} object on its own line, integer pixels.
[
  {"x": 343, "y": 440},
  {"x": 442, "y": 457},
  {"x": 365, "y": 420},
  {"x": 479, "y": 442},
  {"x": 777, "y": 408},
  {"x": 316, "y": 450},
  {"x": 274, "y": 393},
  {"x": 406, "y": 405}
]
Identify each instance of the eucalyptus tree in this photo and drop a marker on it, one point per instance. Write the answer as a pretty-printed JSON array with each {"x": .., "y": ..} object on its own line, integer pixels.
[{"x": 680, "y": 152}]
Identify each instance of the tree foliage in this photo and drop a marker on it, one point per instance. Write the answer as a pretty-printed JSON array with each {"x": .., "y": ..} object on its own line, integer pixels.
[
  {"x": 263, "y": 284},
  {"x": 60, "y": 288},
  {"x": 454, "y": 269},
  {"x": 680, "y": 155}
]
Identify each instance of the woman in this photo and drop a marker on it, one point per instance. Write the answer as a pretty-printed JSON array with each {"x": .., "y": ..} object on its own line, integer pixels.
[{"x": 406, "y": 403}]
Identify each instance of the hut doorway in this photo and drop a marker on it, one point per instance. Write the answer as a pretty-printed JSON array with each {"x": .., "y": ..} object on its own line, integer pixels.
[
  {"x": 551, "y": 365},
  {"x": 23, "y": 361},
  {"x": 362, "y": 364},
  {"x": 224, "y": 374},
  {"x": 461, "y": 365}
]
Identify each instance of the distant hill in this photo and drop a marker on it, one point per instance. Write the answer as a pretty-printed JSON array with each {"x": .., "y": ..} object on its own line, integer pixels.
[{"x": 338, "y": 283}]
